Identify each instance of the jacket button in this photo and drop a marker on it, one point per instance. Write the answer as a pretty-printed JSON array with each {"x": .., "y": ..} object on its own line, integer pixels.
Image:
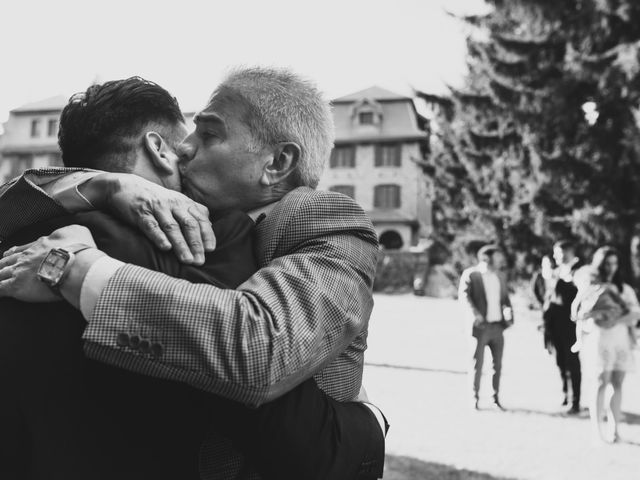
[
  {"x": 157, "y": 349},
  {"x": 122, "y": 340},
  {"x": 134, "y": 342},
  {"x": 145, "y": 345}
]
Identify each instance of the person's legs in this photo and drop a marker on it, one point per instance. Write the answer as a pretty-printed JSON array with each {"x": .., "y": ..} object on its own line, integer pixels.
[
  {"x": 575, "y": 371},
  {"x": 614, "y": 412},
  {"x": 496, "y": 345},
  {"x": 596, "y": 406},
  {"x": 478, "y": 345},
  {"x": 561, "y": 362}
]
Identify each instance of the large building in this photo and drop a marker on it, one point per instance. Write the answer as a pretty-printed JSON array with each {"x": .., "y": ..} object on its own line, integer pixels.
[
  {"x": 381, "y": 143},
  {"x": 30, "y": 138}
]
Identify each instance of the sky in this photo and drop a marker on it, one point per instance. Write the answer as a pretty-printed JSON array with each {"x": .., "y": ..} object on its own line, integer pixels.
[{"x": 49, "y": 48}]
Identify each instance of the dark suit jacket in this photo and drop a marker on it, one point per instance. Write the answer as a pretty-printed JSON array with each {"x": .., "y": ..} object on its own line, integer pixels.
[
  {"x": 50, "y": 406},
  {"x": 473, "y": 296}
]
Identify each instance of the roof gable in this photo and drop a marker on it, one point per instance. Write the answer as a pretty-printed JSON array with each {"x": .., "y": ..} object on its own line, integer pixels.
[
  {"x": 374, "y": 92},
  {"x": 52, "y": 104},
  {"x": 398, "y": 119}
]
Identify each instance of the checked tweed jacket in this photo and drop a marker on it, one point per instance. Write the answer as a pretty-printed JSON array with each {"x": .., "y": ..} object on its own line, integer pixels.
[{"x": 305, "y": 312}]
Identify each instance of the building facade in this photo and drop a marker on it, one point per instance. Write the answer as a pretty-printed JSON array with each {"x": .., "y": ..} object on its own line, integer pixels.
[
  {"x": 30, "y": 138},
  {"x": 381, "y": 144}
]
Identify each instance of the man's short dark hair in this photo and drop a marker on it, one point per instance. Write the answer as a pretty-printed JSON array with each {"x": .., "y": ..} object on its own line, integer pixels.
[
  {"x": 565, "y": 245},
  {"x": 487, "y": 251},
  {"x": 100, "y": 128}
]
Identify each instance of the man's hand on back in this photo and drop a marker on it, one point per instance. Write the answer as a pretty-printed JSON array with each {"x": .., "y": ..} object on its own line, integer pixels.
[{"x": 168, "y": 218}]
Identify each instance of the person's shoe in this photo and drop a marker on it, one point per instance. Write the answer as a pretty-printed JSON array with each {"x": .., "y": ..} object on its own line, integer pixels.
[
  {"x": 476, "y": 403},
  {"x": 565, "y": 401},
  {"x": 574, "y": 410},
  {"x": 497, "y": 404}
]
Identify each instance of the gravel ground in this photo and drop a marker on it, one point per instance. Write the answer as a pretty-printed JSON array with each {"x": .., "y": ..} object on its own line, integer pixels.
[{"x": 416, "y": 372}]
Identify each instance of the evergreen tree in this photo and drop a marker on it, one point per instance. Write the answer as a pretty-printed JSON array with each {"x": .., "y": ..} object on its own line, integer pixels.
[{"x": 542, "y": 141}]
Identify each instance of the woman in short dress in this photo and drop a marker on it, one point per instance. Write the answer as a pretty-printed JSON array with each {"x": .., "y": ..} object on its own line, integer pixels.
[{"x": 607, "y": 347}]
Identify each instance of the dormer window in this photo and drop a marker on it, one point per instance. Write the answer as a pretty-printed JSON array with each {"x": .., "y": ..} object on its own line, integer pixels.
[
  {"x": 366, "y": 118},
  {"x": 366, "y": 113}
]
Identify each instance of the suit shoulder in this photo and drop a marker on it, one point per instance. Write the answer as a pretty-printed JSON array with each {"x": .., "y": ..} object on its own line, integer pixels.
[{"x": 321, "y": 203}]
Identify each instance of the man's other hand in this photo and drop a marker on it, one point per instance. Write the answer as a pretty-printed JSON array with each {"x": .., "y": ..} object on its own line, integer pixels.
[
  {"x": 19, "y": 265},
  {"x": 168, "y": 218}
]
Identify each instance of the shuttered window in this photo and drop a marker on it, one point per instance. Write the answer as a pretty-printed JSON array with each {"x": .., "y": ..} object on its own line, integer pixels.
[{"x": 386, "y": 196}]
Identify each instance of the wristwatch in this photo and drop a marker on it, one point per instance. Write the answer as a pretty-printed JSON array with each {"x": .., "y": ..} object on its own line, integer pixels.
[{"x": 54, "y": 267}]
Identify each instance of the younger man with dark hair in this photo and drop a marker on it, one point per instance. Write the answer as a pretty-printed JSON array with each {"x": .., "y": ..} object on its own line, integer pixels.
[{"x": 484, "y": 295}]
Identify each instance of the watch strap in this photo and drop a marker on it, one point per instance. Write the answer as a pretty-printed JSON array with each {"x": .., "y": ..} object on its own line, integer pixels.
[{"x": 76, "y": 248}]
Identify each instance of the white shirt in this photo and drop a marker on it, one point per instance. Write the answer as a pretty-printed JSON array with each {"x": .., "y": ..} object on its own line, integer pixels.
[{"x": 492, "y": 292}]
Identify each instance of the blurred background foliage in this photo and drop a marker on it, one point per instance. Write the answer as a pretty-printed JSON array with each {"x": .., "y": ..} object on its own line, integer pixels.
[{"x": 542, "y": 142}]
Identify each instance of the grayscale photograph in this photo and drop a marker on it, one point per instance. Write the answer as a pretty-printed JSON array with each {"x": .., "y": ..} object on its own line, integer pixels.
[{"x": 337, "y": 240}]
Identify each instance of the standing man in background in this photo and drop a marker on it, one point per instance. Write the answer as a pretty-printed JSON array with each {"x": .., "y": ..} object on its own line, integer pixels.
[{"x": 485, "y": 298}]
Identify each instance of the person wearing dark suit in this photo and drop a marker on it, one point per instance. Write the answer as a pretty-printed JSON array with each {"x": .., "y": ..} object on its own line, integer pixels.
[
  {"x": 484, "y": 296},
  {"x": 304, "y": 421},
  {"x": 559, "y": 328},
  {"x": 75, "y": 413}
]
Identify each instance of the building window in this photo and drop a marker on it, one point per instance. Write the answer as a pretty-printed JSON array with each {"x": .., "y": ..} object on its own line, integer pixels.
[
  {"x": 19, "y": 164},
  {"x": 386, "y": 196},
  {"x": 366, "y": 118},
  {"x": 348, "y": 190},
  {"x": 343, "y": 157},
  {"x": 35, "y": 128},
  {"x": 388, "y": 155},
  {"x": 52, "y": 129}
]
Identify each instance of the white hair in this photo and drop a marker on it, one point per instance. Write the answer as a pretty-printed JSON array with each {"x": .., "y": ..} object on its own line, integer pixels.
[{"x": 284, "y": 107}]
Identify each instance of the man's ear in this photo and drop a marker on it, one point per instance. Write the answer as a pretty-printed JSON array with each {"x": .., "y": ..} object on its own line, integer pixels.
[
  {"x": 162, "y": 157},
  {"x": 283, "y": 163}
]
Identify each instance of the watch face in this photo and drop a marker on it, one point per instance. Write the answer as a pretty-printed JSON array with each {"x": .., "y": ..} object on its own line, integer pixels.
[{"x": 52, "y": 267}]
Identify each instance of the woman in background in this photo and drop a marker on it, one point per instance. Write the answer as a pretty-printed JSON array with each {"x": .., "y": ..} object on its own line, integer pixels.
[{"x": 607, "y": 338}]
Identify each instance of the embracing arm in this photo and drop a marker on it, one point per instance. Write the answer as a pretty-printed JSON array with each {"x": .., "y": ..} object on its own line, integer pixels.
[
  {"x": 293, "y": 318},
  {"x": 287, "y": 322},
  {"x": 168, "y": 218},
  {"x": 631, "y": 301},
  {"x": 465, "y": 295}
]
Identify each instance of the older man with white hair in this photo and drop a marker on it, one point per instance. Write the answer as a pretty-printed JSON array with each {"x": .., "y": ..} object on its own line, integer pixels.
[{"x": 259, "y": 146}]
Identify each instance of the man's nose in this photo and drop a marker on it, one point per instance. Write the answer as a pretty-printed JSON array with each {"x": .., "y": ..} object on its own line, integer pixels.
[{"x": 185, "y": 152}]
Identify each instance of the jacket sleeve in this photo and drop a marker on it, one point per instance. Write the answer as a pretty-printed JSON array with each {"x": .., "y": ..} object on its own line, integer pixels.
[
  {"x": 253, "y": 344},
  {"x": 465, "y": 293},
  {"x": 229, "y": 265},
  {"x": 25, "y": 201}
]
